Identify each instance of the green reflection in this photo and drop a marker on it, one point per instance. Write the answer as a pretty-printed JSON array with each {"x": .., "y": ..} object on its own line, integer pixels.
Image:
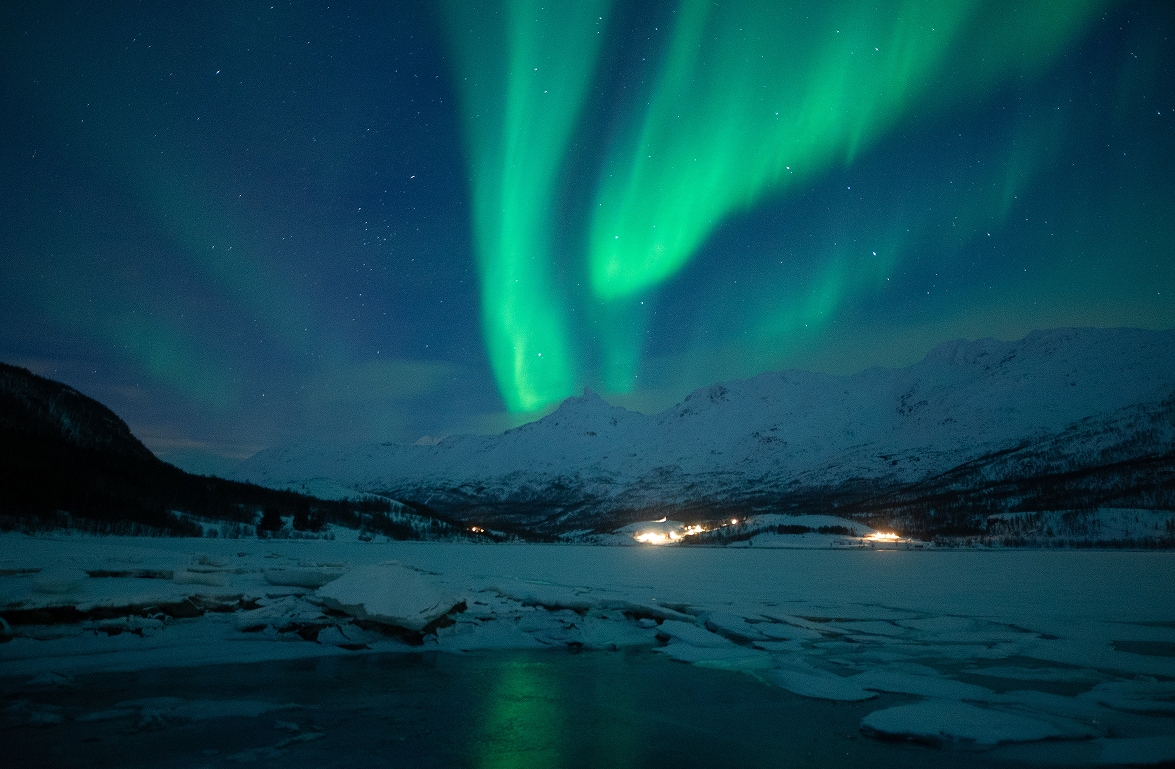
[
  {"x": 523, "y": 69},
  {"x": 523, "y": 726}
]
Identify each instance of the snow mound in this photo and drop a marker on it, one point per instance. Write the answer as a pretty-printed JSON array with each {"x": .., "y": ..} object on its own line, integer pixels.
[{"x": 390, "y": 594}]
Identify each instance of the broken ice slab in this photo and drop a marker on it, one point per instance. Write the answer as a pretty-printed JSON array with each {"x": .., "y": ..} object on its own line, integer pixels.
[
  {"x": 552, "y": 628},
  {"x": 1051, "y": 707},
  {"x": 1140, "y": 696},
  {"x": 209, "y": 561},
  {"x": 549, "y": 595},
  {"x": 799, "y": 627},
  {"x": 936, "y": 721},
  {"x": 726, "y": 657},
  {"x": 691, "y": 634},
  {"x": 476, "y": 635},
  {"x": 921, "y": 685},
  {"x": 59, "y": 580},
  {"x": 780, "y": 631},
  {"x": 281, "y": 613},
  {"x": 733, "y": 626},
  {"x": 200, "y": 577},
  {"x": 781, "y": 647},
  {"x": 615, "y": 633},
  {"x": 1038, "y": 674},
  {"x": 873, "y": 628},
  {"x": 390, "y": 594},
  {"x": 816, "y": 684},
  {"x": 303, "y": 576},
  {"x": 349, "y": 636}
]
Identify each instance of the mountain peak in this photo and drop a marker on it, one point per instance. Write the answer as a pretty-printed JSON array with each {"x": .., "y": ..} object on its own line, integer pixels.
[
  {"x": 589, "y": 400},
  {"x": 589, "y": 411}
]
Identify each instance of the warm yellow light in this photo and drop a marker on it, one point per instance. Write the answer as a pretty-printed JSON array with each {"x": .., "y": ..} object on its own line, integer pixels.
[
  {"x": 883, "y": 536},
  {"x": 661, "y": 535},
  {"x": 733, "y": 521}
]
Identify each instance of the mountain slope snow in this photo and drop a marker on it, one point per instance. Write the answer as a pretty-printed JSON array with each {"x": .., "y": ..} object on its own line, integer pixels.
[{"x": 769, "y": 438}]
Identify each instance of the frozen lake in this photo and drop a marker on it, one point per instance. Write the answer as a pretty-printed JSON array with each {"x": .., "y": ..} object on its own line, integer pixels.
[
  {"x": 334, "y": 653},
  {"x": 534, "y": 709}
]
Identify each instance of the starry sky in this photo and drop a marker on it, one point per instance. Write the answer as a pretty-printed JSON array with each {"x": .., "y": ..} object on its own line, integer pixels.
[{"x": 243, "y": 224}]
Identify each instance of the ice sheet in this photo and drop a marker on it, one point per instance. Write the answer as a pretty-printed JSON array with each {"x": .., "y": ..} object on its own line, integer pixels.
[{"x": 985, "y": 640}]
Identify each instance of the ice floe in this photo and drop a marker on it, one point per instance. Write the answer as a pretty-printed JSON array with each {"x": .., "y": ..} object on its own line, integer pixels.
[{"x": 388, "y": 593}]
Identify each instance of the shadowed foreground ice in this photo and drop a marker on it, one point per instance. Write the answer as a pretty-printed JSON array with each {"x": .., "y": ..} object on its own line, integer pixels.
[{"x": 1022, "y": 657}]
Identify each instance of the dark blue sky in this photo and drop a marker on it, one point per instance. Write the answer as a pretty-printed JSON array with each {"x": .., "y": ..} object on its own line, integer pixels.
[{"x": 241, "y": 224}]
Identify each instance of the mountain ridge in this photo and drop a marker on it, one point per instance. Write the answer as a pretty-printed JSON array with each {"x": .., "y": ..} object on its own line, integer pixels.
[{"x": 766, "y": 441}]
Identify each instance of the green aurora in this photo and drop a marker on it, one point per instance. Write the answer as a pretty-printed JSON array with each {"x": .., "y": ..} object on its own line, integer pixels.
[
  {"x": 752, "y": 99},
  {"x": 524, "y": 74}
]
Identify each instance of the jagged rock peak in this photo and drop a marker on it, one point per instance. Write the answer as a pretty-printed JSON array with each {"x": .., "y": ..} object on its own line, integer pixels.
[
  {"x": 589, "y": 400},
  {"x": 589, "y": 410}
]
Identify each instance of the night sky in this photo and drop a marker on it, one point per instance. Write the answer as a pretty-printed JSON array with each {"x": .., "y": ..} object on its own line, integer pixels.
[{"x": 243, "y": 224}]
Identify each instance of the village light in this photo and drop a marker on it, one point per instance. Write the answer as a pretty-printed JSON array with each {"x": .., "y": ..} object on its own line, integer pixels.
[{"x": 664, "y": 532}]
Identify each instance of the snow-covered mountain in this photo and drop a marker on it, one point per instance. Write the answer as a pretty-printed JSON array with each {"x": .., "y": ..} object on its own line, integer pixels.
[{"x": 788, "y": 440}]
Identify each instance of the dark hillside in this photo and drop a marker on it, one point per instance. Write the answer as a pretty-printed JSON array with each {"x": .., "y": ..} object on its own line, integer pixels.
[{"x": 68, "y": 461}]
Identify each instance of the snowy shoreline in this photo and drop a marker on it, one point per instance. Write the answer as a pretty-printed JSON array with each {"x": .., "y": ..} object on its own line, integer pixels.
[{"x": 999, "y": 645}]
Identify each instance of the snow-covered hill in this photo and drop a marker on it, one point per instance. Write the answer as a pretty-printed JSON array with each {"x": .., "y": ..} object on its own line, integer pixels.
[{"x": 781, "y": 437}]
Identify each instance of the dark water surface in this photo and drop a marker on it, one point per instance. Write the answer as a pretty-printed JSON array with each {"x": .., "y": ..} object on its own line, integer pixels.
[{"x": 500, "y": 709}]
